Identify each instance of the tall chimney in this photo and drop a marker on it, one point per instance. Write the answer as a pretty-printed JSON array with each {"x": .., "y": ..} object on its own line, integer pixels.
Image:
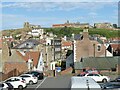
[{"x": 85, "y": 34}]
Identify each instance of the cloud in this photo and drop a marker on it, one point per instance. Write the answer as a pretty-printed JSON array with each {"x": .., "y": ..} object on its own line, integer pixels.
[
  {"x": 93, "y": 14},
  {"x": 50, "y": 6},
  {"x": 60, "y": 1}
]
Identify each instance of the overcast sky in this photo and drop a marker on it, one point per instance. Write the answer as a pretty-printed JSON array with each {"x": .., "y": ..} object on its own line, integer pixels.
[{"x": 14, "y": 14}]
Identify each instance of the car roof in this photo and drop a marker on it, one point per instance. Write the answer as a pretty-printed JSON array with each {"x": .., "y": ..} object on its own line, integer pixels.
[
  {"x": 93, "y": 73},
  {"x": 13, "y": 77},
  {"x": 81, "y": 82},
  {"x": 26, "y": 74}
]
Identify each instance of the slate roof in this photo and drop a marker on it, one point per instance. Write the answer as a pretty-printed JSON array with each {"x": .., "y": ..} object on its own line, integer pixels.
[
  {"x": 115, "y": 46},
  {"x": 28, "y": 44},
  {"x": 77, "y": 37},
  {"x": 69, "y": 60},
  {"x": 115, "y": 42},
  {"x": 100, "y": 41},
  {"x": 101, "y": 63}
]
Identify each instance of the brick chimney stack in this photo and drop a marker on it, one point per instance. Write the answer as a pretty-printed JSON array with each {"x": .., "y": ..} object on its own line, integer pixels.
[{"x": 85, "y": 34}]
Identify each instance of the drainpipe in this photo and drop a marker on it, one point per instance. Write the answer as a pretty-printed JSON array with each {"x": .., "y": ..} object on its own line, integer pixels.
[{"x": 94, "y": 49}]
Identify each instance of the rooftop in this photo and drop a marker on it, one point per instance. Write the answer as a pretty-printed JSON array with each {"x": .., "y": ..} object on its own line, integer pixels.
[{"x": 100, "y": 63}]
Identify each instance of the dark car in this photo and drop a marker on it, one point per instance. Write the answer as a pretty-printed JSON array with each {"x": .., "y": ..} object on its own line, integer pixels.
[
  {"x": 116, "y": 80},
  {"x": 81, "y": 75},
  {"x": 111, "y": 85},
  {"x": 38, "y": 74}
]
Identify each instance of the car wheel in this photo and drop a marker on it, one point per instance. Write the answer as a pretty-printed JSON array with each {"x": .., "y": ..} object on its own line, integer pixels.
[
  {"x": 30, "y": 82},
  {"x": 20, "y": 87},
  {"x": 104, "y": 80}
]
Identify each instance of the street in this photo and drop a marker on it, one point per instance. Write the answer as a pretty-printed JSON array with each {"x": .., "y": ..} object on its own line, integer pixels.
[{"x": 52, "y": 83}]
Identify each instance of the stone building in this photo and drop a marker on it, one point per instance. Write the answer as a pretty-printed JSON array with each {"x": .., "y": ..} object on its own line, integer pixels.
[
  {"x": 103, "y": 25},
  {"x": 68, "y": 24},
  {"x": 28, "y": 25}
]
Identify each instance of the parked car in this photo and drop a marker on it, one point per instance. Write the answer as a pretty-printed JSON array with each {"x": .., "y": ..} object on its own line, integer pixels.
[
  {"x": 93, "y": 71},
  {"x": 111, "y": 85},
  {"x": 38, "y": 74},
  {"x": 116, "y": 80},
  {"x": 81, "y": 75},
  {"x": 16, "y": 82},
  {"x": 3, "y": 86},
  {"x": 29, "y": 78},
  {"x": 98, "y": 77},
  {"x": 10, "y": 86}
]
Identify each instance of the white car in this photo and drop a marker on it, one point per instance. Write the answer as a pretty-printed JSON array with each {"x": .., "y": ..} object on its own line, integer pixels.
[
  {"x": 98, "y": 77},
  {"x": 29, "y": 78},
  {"x": 3, "y": 86},
  {"x": 16, "y": 82}
]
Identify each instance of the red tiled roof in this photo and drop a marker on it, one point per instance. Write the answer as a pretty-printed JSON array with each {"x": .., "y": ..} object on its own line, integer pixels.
[
  {"x": 62, "y": 24},
  {"x": 115, "y": 46},
  {"x": 31, "y": 55},
  {"x": 117, "y": 38},
  {"x": 66, "y": 44}
]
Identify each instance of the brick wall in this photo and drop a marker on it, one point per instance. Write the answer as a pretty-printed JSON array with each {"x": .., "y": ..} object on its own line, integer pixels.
[
  {"x": 67, "y": 71},
  {"x": 19, "y": 66},
  {"x": 12, "y": 73},
  {"x": 85, "y": 48}
]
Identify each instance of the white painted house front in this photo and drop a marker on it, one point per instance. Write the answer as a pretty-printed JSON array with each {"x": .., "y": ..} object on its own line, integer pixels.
[{"x": 37, "y": 33}]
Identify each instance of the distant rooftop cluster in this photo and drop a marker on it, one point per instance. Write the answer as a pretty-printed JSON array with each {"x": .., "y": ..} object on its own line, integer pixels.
[{"x": 105, "y": 25}]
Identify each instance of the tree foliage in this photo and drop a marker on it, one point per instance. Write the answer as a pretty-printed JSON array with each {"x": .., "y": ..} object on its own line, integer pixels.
[{"x": 68, "y": 31}]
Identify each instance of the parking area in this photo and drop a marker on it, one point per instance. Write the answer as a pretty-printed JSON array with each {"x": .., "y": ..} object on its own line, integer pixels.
[
  {"x": 60, "y": 82},
  {"x": 52, "y": 83},
  {"x": 63, "y": 82},
  {"x": 34, "y": 85}
]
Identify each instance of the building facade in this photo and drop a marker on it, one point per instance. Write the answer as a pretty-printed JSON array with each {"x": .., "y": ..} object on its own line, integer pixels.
[
  {"x": 87, "y": 47},
  {"x": 68, "y": 24},
  {"x": 103, "y": 25}
]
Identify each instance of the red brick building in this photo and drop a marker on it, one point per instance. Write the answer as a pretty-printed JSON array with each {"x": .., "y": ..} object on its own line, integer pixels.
[{"x": 87, "y": 47}]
